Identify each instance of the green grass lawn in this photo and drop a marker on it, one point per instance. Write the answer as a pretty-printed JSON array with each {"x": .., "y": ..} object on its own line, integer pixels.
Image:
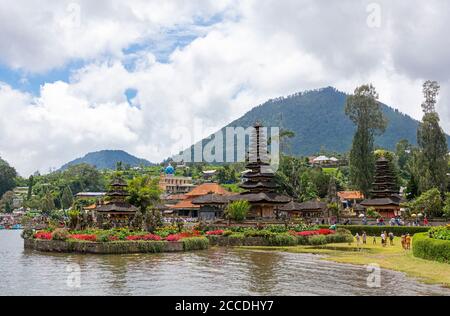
[{"x": 389, "y": 257}]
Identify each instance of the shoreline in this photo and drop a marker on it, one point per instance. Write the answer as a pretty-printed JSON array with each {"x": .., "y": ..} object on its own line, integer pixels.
[{"x": 392, "y": 258}]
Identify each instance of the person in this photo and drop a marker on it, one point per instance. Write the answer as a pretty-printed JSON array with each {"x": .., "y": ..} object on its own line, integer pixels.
[
  {"x": 403, "y": 239},
  {"x": 383, "y": 239},
  {"x": 374, "y": 242},
  {"x": 408, "y": 241},
  {"x": 391, "y": 238},
  {"x": 357, "y": 239},
  {"x": 364, "y": 238},
  {"x": 425, "y": 221}
]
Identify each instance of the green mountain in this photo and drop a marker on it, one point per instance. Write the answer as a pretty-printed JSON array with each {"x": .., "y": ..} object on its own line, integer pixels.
[
  {"x": 318, "y": 120},
  {"x": 107, "y": 159}
]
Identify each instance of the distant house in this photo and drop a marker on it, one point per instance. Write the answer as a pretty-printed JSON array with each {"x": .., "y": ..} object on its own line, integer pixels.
[
  {"x": 90, "y": 195},
  {"x": 324, "y": 161},
  {"x": 208, "y": 174},
  {"x": 171, "y": 184}
]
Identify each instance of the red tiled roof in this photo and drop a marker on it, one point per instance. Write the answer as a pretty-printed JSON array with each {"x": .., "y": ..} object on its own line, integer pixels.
[
  {"x": 207, "y": 188},
  {"x": 184, "y": 205}
]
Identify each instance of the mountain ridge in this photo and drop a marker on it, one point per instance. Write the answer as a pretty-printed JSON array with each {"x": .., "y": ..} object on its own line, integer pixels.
[
  {"x": 319, "y": 122},
  {"x": 107, "y": 159}
]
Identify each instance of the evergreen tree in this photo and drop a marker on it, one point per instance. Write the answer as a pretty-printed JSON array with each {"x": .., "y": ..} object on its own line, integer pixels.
[
  {"x": 433, "y": 157},
  {"x": 30, "y": 187},
  {"x": 66, "y": 198},
  {"x": 364, "y": 111}
]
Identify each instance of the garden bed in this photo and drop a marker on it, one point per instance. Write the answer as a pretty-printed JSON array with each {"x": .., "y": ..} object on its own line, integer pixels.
[
  {"x": 116, "y": 247},
  {"x": 117, "y": 241}
]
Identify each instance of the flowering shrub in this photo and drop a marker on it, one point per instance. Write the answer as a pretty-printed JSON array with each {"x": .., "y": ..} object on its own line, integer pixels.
[
  {"x": 322, "y": 231},
  {"x": 84, "y": 237},
  {"x": 173, "y": 237},
  {"x": 43, "y": 235},
  {"x": 144, "y": 237},
  {"x": 215, "y": 232}
]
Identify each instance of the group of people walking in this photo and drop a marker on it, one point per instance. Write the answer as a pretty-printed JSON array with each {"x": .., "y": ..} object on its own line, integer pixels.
[{"x": 385, "y": 237}]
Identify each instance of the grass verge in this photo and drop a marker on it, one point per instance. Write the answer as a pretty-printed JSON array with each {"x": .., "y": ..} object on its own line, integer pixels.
[{"x": 389, "y": 257}]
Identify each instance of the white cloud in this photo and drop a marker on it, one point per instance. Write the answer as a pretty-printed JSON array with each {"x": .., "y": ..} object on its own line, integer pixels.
[{"x": 258, "y": 50}]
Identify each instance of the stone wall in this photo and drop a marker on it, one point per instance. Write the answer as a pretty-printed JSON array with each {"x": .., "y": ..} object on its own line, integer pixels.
[{"x": 121, "y": 247}]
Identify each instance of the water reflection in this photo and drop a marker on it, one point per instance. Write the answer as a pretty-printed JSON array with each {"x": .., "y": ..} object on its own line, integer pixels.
[{"x": 217, "y": 271}]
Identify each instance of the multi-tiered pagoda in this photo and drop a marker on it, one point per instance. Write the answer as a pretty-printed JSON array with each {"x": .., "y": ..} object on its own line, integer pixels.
[
  {"x": 385, "y": 196},
  {"x": 259, "y": 184},
  {"x": 116, "y": 212}
]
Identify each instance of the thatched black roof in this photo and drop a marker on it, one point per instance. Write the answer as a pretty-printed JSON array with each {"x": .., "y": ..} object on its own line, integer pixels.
[
  {"x": 211, "y": 199},
  {"x": 312, "y": 205}
]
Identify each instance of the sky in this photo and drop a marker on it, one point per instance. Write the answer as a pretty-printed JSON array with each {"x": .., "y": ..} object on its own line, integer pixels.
[{"x": 152, "y": 77}]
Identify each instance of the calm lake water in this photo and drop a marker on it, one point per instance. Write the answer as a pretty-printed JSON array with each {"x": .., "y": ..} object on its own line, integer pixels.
[{"x": 211, "y": 272}]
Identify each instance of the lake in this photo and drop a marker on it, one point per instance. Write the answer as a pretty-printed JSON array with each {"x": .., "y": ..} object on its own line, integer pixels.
[{"x": 218, "y": 271}]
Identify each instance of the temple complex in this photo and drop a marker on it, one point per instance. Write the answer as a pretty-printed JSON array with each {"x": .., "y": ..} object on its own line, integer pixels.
[
  {"x": 116, "y": 211},
  {"x": 385, "y": 196},
  {"x": 259, "y": 184}
]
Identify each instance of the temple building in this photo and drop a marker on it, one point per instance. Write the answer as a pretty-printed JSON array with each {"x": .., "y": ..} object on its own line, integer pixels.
[
  {"x": 116, "y": 211},
  {"x": 310, "y": 210},
  {"x": 186, "y": 208},
  {"x": 259, "y": 184},
  {"x": 385, "y": 199}
]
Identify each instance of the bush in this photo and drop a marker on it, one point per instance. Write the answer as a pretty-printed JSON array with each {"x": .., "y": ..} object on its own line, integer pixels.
[
  {"x": 277, "y": 228},
  {"x": 377, "y": 230},
  {"x": 195, "y": 243},
  {"x": 238, "y": 210},
  {"x": 282, "y": 240},
  {"x": 258, "y": 233},
  {"x": 432, "y": 249},
  {"x": 440, "y": 232},
  {"x": 317, "y": 240},
  {"x": 60, "y": 234},
  {"x": 227, "y": 233},
  {"x": 339, "y": 238}
]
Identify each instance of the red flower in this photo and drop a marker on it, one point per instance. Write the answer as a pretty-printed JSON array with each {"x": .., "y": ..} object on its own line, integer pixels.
[
  {"x": 173, "y": 237},
  {"x": 215, "y": 232},
  {"x": 84, "y": 237},
  {"x": 143, "y": 237},
  {"x": 43, "y": 235},
  {"x": 314, "y": 232}
]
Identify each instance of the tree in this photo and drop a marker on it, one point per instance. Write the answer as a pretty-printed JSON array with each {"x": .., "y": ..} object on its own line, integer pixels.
[
  {"x": 6, "y": 202},
  {"x": 364, "y": 111},
  {"x": 433, "y": 157},
  {"x": 47, "y": 203},
  {"x": 7, "y": 176},
  {"x": 66, "y": 198},
  {"x": 144, "y": 192},
  {"x": 238, "y": 210},
  {"x": 446, "y": 209},
  {"x": 429, "y": 203},
  {"x": 403, "y": 152},
  {"x": 30, "y": 187}
]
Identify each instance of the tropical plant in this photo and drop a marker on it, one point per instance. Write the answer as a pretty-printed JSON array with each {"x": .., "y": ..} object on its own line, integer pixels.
[{"x": 238, "y": 210}]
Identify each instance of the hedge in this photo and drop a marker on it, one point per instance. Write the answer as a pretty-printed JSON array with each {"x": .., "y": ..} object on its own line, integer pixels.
[
  {"x": 432, "y": 249},
  {"x": 377, "y": 230},
  {"x": 195, "y": 243}
]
